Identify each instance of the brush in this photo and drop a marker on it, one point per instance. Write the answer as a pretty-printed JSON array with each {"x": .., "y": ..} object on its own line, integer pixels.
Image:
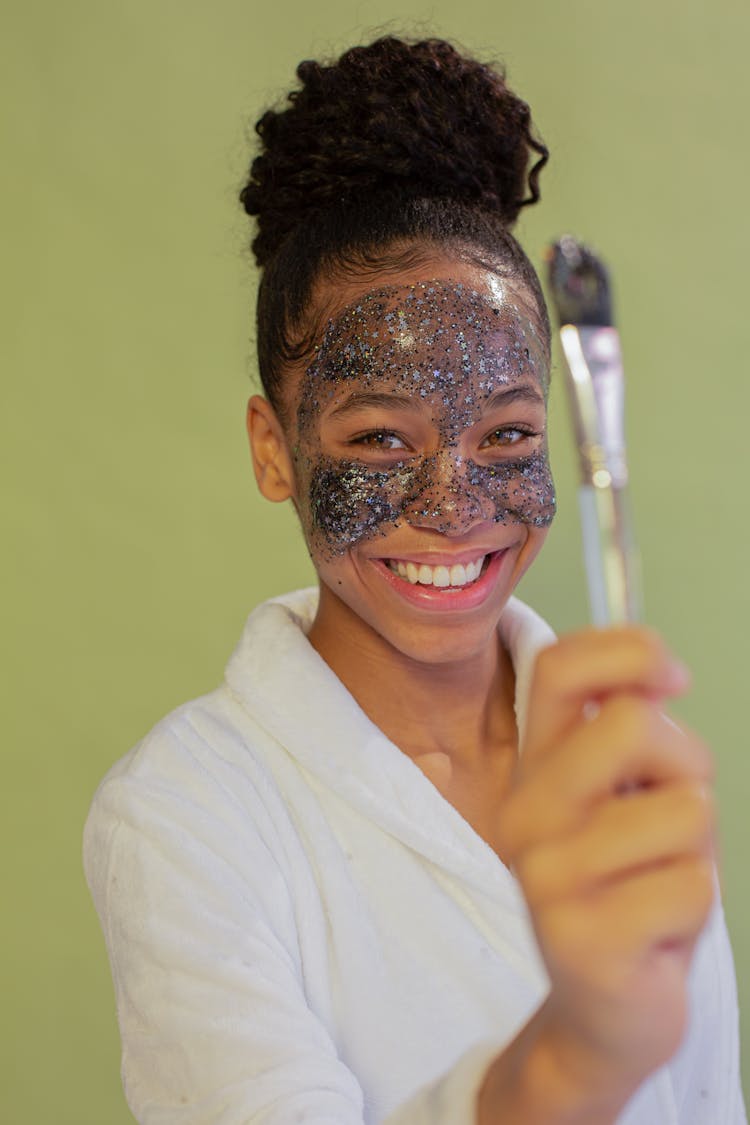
[{"x": 579, "y": 283}]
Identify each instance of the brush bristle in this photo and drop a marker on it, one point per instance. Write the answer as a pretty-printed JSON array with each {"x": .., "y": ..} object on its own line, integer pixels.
[{"x": 579, "y": 284}]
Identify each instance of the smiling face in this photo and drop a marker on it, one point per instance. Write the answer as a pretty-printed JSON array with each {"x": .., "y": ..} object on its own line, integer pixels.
[
  {"x": 420, "y": 458},
  {"x": 393, "y": 415}
]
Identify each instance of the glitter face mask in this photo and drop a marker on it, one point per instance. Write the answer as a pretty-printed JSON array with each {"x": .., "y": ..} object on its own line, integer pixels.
[{"x": 451, "y": 348}]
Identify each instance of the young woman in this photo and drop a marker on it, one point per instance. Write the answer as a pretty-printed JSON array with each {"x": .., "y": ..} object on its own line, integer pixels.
[{"x": 414, "y": 861}]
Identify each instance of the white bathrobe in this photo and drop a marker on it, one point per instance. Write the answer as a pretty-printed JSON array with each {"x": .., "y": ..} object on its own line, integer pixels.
[{"x": 302, "y": 929}]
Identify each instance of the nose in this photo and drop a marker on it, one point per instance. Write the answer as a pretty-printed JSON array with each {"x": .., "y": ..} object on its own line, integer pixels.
[{"x": 443, "y": 498}]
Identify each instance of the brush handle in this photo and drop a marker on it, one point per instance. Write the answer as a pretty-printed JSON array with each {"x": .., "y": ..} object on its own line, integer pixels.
[{"x": 612, "y": 566}]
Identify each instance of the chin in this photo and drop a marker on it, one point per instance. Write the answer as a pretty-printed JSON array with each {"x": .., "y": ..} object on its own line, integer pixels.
[
  {"x": 367, "y": 605},
  {"x": 446, "y": 647},
  {"x": 420, "y": 636}
]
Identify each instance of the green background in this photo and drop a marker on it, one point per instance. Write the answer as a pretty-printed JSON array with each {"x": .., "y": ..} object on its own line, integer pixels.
[{"x": 135, "y": 541}]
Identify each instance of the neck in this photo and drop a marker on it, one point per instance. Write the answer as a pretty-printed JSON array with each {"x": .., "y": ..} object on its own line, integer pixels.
[{"x": 444, "y": 715}]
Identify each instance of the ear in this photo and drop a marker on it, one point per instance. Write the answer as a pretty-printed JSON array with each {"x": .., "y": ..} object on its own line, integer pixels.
[{"x": 272, "y": 460}]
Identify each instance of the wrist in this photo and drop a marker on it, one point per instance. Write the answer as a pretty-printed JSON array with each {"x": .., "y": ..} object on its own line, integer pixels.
[{"x": 544, "y": 1078}]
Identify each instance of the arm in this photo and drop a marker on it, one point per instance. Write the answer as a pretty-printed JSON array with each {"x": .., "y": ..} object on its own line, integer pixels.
[
  {"x": 200, "y": 931},
  {"x": 610, "y": 830},
  {"x": 215, "y": 1022}
]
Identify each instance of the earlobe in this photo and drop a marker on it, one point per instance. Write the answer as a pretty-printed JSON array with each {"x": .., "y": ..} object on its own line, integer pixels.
[{"x": 272, "y": 461}]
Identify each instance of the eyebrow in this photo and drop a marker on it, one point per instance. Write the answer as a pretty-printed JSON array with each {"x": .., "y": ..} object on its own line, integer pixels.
[
  {"x": 523, "y": 393},
  {"x": 360, "y": 400}
]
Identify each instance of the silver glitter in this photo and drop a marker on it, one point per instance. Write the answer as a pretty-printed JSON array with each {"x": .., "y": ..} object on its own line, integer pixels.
[{"x": 453, "y": 347}]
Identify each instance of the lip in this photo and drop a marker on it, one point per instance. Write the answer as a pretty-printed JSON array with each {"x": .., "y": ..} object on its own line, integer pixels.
[
  {"x": 440, "y": 558},
  {"x": 439, "y": 598}
]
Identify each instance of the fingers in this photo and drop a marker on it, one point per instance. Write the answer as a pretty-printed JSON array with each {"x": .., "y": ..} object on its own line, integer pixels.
[
  {"x": 609, "y": 826},
  {"x": 630, "y": 744},
  {"x": 658, "y": 910},
  {"x": 622, "y": 838},
  {"x": 588, "y": 666}
]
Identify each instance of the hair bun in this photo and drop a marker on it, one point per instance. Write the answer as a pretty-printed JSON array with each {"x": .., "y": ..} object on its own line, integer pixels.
[{"x": 392, "y": 119}]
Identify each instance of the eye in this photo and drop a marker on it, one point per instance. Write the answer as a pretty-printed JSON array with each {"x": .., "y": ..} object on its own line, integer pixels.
[
  {"x": 506, "y": 435},
  {"x": 379, "y": 439}
]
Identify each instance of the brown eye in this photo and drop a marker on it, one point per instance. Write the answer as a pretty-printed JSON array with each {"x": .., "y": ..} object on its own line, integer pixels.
[
  {"x": 380, "y": 439},
  {"x": 507, "y": 435}
]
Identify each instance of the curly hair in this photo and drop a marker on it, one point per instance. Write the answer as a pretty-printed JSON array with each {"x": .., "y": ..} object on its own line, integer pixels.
[{"x": 396, "y": 149}]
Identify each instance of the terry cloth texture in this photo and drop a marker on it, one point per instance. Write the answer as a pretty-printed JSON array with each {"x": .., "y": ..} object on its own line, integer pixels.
[{"x": 302, "y": 929}]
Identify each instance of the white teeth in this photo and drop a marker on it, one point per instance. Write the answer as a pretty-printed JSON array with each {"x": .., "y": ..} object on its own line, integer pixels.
[{"x": 441, "y": 576}]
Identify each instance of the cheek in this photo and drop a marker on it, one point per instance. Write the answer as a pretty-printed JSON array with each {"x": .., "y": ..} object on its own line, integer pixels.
[
  {"x": 452, "y": 495},
  {"x": 521, "y": 491},
  {"x": 349, "y": 502}
]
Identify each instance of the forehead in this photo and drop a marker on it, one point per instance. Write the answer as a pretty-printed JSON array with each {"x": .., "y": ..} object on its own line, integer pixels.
[
  {"x": 429, "y": 321},
  {"x": 427, "y": 338}
]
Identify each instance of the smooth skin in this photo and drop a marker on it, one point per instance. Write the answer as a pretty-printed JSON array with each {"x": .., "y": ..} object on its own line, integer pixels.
[{"x": 604, "y": 814}]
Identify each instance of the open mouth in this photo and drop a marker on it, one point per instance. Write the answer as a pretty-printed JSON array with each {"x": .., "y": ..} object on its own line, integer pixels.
[{"x": 454, "y": 577}]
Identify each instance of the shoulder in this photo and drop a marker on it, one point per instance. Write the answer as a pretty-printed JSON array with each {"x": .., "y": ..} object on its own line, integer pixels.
[
  {"x": 202, "y": 748},
  {"x": 194, "y": 766},
  {"x": 205, "y": 777},
  {"x": 190, "y": 750}
]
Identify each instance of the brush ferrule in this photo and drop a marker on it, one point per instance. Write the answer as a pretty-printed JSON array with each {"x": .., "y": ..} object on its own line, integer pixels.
[{"x": 596, "y": 393}]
